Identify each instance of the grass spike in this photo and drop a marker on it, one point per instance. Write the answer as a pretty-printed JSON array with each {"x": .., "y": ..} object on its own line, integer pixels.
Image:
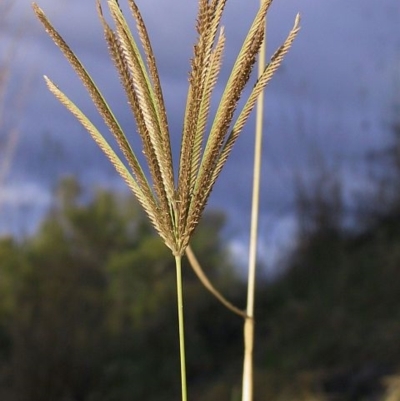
[
  {"x": 238, "y": 78},
  {"x": 146, "y": 99},
  {"x": 191, "y": 113},
  {"x": 128, "y": 85},
  {"x": 159, "y": 98},
  {"x": 215, "y": 142},
  {"x": 262, "y": 81},
  {"x": 210, "y": 80},
  {"x": 198, "y": 100},
  {"x": 96, "y": 97},
  {"x": 148, "y": 203},
  {"x": 236, "y": 82}
]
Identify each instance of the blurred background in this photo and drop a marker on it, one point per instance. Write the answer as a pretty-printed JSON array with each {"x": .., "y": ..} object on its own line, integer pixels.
[{"x": 87, "y": 290}]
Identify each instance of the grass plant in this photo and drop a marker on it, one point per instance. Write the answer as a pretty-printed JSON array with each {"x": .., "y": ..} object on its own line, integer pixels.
[{"x": 174, "y": 204}]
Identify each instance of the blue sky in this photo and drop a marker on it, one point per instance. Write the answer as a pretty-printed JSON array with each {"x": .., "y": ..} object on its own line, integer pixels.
[{"x": 331, "y": 98}]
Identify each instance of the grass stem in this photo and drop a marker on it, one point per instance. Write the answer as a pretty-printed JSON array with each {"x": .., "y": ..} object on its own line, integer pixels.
[
  {"x": 247, "y": 389},
  {"x": 179, "y": 291},
  {"x": 208, "y": 285}
]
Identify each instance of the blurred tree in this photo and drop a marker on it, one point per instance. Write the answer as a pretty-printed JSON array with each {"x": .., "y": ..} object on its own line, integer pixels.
[
  {"x": 90, "y": 303},
  {"x": 334, "y": 312},
  {"x": 12, "y": 266},
  {"x": 319, "y": 204}
]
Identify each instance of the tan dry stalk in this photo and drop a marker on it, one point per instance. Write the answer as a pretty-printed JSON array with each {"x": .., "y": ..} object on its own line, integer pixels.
[
  {"x": 208, "y": 285},
  {"x": 247, "y": 385}
]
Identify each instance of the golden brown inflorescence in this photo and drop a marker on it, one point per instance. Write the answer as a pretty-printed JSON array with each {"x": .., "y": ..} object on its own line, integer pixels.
[{"x": 174, "y": 207}]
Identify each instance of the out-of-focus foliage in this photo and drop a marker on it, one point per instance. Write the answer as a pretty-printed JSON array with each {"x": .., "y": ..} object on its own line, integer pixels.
[
  {"x": 88, "y": 306},
  {"x": 334, "y": 314}
]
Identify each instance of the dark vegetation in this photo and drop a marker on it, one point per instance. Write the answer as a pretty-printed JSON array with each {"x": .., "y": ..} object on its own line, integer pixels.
[
  {"x": 332, "y": 320},
  {"x": 88, "y": 304},
  {"x": 87, "y": 307}
]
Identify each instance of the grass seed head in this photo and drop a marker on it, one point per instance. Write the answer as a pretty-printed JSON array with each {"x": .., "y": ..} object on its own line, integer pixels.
[{"x": 174, "y": 206}]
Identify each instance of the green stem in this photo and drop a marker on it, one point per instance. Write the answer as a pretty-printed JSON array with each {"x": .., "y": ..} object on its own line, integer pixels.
[{"x": 178, "y": 262}]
